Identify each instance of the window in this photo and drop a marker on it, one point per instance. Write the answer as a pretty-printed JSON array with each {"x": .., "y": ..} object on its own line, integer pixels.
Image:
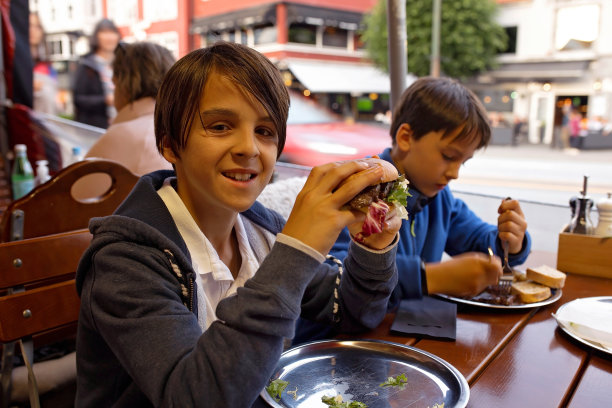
[
  {"x": 577, "y": 27},
  {"x": 154, "y": 10},
  {"x": 168, "y": 39},
  {"x": 212, "y": 37},
  {"x": 302, "y": 33},
  {"x": 511, "y": 46},
  {"x": 264, "y": 34},
  {"x": 123, "y": 12},
  {"x": 359, "y": 43},
  {"x": 335, "y": 37}
]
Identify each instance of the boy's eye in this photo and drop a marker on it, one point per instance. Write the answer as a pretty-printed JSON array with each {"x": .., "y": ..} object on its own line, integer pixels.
[
  {"x": 216, "y": 127},
  {"x": 447, "y": 157},
  {"x": 265, "y": 131}
]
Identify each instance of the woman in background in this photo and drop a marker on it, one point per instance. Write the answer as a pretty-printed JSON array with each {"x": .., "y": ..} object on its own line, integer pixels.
[
  {"x": 138, "y": 70},
  {"x": 92, "y": 88}
]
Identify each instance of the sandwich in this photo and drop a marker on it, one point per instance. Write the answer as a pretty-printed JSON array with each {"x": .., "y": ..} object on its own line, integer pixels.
[
  {"x": 547, "y": 276},
  {"x": 389, "y": 193}
]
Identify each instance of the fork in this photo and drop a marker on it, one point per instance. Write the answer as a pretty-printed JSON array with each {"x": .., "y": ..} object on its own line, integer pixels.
[{"x": 504, "y": 284}]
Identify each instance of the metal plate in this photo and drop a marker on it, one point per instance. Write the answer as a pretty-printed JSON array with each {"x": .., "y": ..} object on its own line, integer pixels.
[
  {"x": 356, "y": 368},
  {"x": 580, "y": 339},
  {"x": 555, "y": 295}
]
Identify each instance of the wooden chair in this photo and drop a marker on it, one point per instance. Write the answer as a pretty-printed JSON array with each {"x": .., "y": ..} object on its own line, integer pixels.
[{"x": 45, "y": 234}]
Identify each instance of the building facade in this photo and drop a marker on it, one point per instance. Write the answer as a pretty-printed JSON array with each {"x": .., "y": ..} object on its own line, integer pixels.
[
  {"x": 557, "y": 52},
  {"x": 559, "y": 55}
]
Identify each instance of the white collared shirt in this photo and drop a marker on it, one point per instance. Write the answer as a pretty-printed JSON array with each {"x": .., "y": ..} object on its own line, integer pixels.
[{"x": 214, "y": 280}]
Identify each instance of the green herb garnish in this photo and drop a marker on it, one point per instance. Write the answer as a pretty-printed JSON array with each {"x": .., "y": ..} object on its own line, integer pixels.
[
  {"x": 398, "y": 381},
  {"x": 336, "y": 402},
  {"x": 276, "y": 388}
]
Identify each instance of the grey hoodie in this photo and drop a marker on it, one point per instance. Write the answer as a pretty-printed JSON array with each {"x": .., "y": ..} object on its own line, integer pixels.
[{"x": 139, "y": 342}]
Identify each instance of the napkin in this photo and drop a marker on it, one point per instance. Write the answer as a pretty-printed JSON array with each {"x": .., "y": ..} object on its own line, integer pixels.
[
  {"x": 426, "y": 317},
  {"x": 589, "y": 319}
]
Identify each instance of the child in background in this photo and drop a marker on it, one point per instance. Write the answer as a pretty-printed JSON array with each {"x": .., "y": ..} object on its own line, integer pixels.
[
  {"x": 437, "y": 126},
  {"x": 189, "y": 290}
]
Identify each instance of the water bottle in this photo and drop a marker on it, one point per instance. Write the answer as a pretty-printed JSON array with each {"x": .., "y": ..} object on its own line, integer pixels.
[
  {"x": 22, "y": 177},
  {"x": 42, "y": 172}
]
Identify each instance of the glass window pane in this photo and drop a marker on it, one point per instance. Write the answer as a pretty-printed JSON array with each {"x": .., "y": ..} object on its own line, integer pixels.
[
  {"x": 265, "y": 34},
  {"x": 302, "y": 33},
  {"x": 335, "y": 37}
]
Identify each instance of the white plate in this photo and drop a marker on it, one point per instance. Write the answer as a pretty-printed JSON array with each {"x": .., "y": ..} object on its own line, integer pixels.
[
  {"x": 555, "y": 295},
  {"x": 560, "y": 316},
  {"x": 356, "y": 368}
]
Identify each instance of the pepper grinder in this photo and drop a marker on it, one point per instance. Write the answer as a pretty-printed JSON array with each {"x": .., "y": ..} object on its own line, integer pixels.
[{"x": 604, "y": 209}]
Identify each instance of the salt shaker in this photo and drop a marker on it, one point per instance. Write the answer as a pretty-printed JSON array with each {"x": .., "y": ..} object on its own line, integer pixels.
[{"x": 604, "y": 209}]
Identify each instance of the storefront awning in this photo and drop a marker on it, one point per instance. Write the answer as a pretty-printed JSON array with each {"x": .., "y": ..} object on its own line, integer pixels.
[
  {"x": 549, "y": 70},
  {"x": 337, "y": 77}
]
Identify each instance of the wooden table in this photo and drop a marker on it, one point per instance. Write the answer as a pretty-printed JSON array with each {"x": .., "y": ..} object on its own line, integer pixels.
[{"x": 521, "y": 358}]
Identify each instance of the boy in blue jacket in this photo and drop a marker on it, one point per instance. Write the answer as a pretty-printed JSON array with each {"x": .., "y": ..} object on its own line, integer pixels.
[
  {"x": 189, "y": 290},
  {"x": 436, "y": 127}
]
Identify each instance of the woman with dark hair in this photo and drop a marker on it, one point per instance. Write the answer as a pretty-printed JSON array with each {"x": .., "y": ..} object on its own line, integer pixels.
[
  {"x": 92, "y": 88},
  {"x": 138, "y": 70}
]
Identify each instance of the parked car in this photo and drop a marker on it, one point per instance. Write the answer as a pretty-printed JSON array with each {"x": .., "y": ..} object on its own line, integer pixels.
[{"x": 315, "y": 135}]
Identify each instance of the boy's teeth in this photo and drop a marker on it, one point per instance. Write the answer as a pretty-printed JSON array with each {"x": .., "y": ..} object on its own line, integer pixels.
[{"x": 239, "y": 176}]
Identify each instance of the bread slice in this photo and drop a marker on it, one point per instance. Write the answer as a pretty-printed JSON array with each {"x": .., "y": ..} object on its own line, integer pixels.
[
  {"x": 547, "y": 275},
  {"x": 530, "y": 292}
]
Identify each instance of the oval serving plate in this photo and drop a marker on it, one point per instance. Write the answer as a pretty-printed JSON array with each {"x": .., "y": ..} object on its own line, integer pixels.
[
  {"x": 355, "y": 369},
  {"x": 556, "y": 295}
]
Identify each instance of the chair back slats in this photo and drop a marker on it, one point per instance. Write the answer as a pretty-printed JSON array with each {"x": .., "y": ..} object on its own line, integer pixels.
[
  {"x": 42, "y": 238},
  {"x": 52, "y": 207},
  {"x": 37, "y": 259},
  {"x": 34, "y": 311}
]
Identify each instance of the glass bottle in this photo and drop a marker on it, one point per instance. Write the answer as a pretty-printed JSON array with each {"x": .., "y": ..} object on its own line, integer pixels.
[{"x": 22, "y": 177}]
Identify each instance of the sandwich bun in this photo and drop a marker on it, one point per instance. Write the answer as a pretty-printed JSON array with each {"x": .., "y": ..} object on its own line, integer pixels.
[
  {"x": 389, "y": 171},
  {"x": 547, "y": 276},
  {"x": 530, "y": 292}
]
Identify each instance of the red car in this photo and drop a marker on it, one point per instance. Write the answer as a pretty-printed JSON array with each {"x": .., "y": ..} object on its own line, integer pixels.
[{"x": 315, "y": 136}]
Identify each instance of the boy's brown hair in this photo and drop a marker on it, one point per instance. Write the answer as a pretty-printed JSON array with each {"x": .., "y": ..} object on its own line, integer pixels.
[
  {"x": 432, "y": 104},
  {"x": 178, "y": 99},
  {"x": 139, "y": 68}
]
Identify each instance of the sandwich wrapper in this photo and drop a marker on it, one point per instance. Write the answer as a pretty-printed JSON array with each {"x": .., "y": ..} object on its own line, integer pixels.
[
  {"x": 426, "y": 317},
  {"x": 588, "y": 318}
]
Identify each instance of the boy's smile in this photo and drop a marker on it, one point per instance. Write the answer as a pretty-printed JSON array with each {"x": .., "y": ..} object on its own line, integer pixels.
[
  {"x": 230, "y": 153},
  {"x": 432, "y": 161}
]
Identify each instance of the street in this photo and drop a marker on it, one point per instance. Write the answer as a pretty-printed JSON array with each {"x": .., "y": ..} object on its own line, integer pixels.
[
  {"x": 541, "y": 178},
  {"x": 537, "y": 173}
]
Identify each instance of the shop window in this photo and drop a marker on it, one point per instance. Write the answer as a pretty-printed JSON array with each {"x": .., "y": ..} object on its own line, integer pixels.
[
  {"x": 302, "y": 33},
  {"x": 212, "y": 37},
  {"x": 264, "y": 34},
  {"x": 335, "y": 37}
]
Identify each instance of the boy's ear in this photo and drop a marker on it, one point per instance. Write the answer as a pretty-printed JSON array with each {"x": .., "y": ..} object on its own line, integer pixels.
[
  {"x": 403, "y": 137},
  {"x": 168, "y": 154}
]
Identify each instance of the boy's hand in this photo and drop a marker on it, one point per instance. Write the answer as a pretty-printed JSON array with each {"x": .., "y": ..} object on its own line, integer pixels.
[
  {"x": 383, "y": 239},
  {"x": 317, "y": 218},
  {"x": 511, "y": 224},
  {"x": 467, "y": 274}
]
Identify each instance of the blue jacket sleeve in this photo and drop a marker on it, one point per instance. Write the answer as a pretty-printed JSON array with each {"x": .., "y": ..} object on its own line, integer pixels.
[{"x": 467, "y": 232}]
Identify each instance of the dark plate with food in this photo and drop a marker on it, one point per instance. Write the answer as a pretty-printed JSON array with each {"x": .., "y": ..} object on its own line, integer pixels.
[
  {"x": 492, "y": 298},
  {"x": 372, "y": 373}
]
